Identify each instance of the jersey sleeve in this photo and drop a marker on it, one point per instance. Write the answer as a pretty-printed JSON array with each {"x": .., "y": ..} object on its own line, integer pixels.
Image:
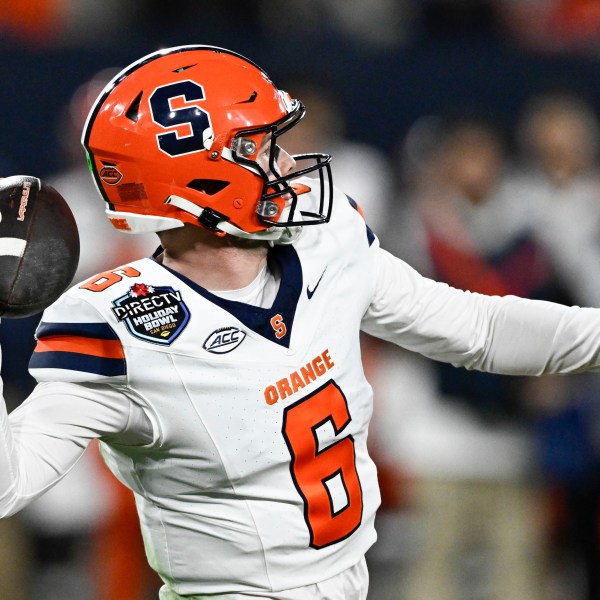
[
  {"x": 42, "y": 439},
  {"x": 507, "y": 334},
  {"x": 75, "y": 344}
]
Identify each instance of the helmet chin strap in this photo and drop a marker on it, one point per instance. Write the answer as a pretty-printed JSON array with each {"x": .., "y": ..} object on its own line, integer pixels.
[{"x": 282, "y": 235}]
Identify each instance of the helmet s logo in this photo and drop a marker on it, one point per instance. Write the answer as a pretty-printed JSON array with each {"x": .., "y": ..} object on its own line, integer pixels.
[
  {"x": 171, "y": 109},
  {"x": 110, "y": 175}
]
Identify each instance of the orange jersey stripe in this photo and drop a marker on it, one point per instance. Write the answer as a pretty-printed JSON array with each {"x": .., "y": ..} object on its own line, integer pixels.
[
  {"x": 81, "y": 345},
  {"x": 360, "y": 211}
]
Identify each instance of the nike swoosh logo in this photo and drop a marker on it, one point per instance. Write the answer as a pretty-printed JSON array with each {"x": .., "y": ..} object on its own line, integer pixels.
[{"x": 310, "y": 292}]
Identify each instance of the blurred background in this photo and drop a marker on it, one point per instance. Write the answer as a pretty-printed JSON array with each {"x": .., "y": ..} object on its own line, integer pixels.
[{"x": 468, "y": 132}]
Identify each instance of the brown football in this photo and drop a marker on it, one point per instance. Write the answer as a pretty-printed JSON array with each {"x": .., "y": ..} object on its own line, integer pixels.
[{"x": 39, "y": 245}]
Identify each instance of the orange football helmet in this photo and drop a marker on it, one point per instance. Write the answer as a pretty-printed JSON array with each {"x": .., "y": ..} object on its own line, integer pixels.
[{"x": 174, "y": 139}]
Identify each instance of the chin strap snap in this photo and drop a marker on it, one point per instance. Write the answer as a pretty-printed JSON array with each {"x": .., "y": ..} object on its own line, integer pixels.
[{"x": 209, "y": 219}]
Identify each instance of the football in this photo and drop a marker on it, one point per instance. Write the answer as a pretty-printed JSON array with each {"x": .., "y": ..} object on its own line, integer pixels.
[{"x": 39, "y": 245}]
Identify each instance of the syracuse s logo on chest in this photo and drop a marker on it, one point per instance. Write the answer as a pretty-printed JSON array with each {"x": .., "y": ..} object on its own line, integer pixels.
[{"x": 155, "y": 314}]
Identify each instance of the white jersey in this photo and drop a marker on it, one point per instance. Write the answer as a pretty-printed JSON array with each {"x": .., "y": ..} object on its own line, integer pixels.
[
  {"x": 242, "y": 430},
  {"x": 258, "y": 477}
]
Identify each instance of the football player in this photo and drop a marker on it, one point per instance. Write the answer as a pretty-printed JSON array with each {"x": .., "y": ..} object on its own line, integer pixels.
[{"x": 223, "y": 375}]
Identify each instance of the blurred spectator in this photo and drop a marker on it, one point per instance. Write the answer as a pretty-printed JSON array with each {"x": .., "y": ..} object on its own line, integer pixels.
[
  {"x": 560, "y": 183},
  {"x": 360, "y": 170},
  {"x": 51, "y": 23},
  {"x": 468, "y": 223},
  {"x": 460, "y": 434},
  {"x": 33, "y": 21},
  {"x": 553, "y": 25}
]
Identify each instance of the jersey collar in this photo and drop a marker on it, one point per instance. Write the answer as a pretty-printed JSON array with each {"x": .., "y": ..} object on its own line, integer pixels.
[{"x": 256, "y": 318}]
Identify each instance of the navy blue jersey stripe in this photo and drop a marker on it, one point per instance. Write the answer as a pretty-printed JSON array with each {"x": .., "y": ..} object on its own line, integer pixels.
[
  {"x": 370, "y": 234},
  {"x": 100, "y": 331},
  {"x": 109, "y": 367}
]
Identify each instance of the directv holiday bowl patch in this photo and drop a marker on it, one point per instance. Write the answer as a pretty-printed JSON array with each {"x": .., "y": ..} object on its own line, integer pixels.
[{"x": 154, "y": 314}]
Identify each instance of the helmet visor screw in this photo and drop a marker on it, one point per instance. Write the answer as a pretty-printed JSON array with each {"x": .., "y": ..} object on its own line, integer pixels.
[{"x": 247, "y": 147}]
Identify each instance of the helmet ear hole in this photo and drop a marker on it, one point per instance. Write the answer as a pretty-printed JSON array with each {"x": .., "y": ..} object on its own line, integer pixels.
[{"x": 210, "y": 187}]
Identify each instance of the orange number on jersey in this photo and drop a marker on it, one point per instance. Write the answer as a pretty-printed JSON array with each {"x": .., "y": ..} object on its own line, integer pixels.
[
  {"x": 104, "y": 280},
  {"x": 314, "y": 469}
]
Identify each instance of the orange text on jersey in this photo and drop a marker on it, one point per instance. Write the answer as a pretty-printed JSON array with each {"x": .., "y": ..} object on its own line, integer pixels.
[{"x": 299, "y": 379}]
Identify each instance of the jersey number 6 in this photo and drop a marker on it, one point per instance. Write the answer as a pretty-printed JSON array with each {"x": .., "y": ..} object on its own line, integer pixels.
[{"x": 325, "y": 478}]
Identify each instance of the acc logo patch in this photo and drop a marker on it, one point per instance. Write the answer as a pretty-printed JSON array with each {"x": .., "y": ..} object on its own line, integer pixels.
[
  {"x": 110, "y": 174},
  {"x": 154, "y": 314},
  {"x": 224, "y": 340}
]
